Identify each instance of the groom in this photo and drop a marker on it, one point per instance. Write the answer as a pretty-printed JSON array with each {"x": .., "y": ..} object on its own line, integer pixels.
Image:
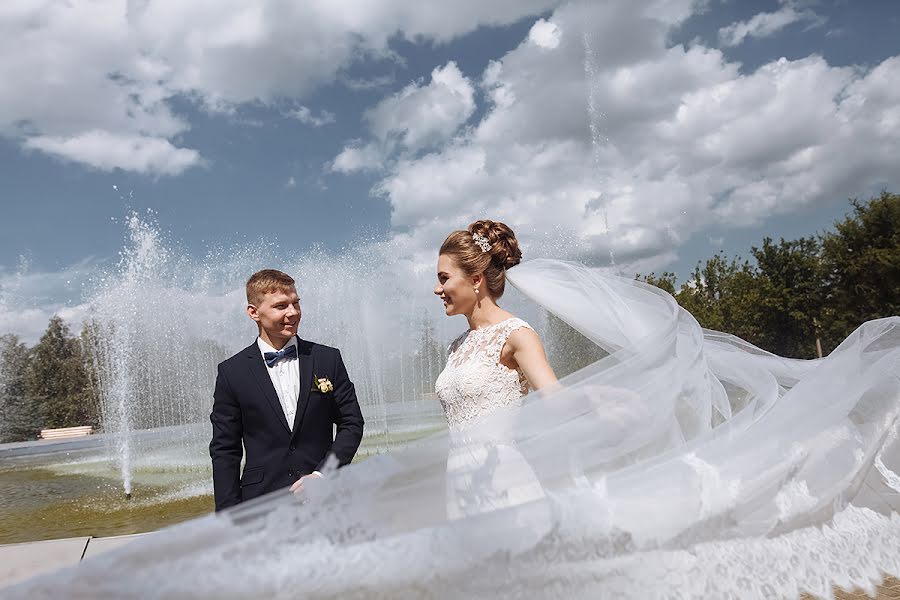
[{"x": 278, "y": 400}]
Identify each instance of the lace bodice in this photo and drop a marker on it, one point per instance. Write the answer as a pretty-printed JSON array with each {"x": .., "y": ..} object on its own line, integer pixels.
[{"x": 474, "y": 382}]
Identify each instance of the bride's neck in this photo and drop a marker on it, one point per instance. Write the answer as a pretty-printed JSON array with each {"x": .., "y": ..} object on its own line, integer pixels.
[{"x": 486, "y": 313}]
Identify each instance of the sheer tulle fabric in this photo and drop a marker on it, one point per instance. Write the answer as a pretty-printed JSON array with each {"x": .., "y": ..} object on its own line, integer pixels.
[{"x": 686, "y": 464}]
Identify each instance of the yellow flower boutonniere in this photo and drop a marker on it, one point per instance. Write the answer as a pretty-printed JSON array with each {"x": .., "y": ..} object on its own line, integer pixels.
[{"x": 322, "y": 384}]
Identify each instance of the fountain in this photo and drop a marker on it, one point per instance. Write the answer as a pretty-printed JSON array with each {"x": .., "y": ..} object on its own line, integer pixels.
[
  {"x": 597, "y": 138},
  {"x": 161, "y": 321}
]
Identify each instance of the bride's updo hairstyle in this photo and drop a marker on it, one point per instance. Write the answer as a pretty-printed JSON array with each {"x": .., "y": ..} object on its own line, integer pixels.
[{"x": 488, "y": 247}]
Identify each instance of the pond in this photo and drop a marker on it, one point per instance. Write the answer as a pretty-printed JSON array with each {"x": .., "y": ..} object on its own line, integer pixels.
[{"x": 78, "y": 492}]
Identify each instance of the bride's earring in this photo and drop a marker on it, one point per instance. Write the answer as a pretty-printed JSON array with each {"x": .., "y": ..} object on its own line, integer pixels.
[{"x": 476, "y": 291}]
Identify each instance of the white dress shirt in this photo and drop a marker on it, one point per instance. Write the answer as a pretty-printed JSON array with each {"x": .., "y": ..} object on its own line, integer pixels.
[{"x": 285, "y": 376}]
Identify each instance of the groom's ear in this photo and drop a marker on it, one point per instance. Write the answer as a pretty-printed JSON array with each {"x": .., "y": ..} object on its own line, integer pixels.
[{"x": 252, "y": 312}]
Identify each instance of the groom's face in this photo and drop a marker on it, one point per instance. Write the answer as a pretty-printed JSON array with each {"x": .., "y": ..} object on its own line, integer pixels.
[{"x": 278, "y": 316}]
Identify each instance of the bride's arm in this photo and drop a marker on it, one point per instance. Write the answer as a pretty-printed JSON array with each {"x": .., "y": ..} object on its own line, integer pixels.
[{"x": 528, "y": 353}]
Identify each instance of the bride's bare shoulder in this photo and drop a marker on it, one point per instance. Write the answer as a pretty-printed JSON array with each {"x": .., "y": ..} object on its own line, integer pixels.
[{"x": 523, "y": 336}]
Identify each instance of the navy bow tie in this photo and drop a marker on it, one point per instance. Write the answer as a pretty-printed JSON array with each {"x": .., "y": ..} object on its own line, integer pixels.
[{"x": 286, "y": 352}]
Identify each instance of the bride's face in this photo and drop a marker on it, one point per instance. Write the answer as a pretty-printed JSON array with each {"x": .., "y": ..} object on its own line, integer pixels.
[{"x": 454, "y": 287}]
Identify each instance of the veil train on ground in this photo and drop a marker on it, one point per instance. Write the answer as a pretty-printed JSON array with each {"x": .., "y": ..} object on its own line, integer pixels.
[{"x": 687, "y": 464}]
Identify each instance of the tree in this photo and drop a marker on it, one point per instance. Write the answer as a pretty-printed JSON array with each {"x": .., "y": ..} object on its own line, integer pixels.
[
  {"x": 19, "y": 421},
  {"x": 429, "y": 359},
  {"x": 724, "y": 296},
  {"x": 56, "y": 379},
  {"x": 790, "y": 280},
  {"x": 91, "y": 346},
  {"x": 665, "y": 282},
  {"x": 804, "y": 296},
  {"x": 774, "y": 304},
  {"x": 861, "y": 261},
  {"x": 567, "y": 349}
]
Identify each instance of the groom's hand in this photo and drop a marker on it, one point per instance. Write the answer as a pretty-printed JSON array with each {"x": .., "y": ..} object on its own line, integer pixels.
[{"x": 297, "y": 486}]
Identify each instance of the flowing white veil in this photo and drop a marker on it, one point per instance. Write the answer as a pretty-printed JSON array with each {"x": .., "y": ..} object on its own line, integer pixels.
[{"x": 686, "y": 463}]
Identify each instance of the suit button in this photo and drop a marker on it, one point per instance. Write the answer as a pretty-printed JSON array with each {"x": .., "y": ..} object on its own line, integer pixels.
[
  {"x": 293, "y": 447},
  {"x": 290, "y": 473}
]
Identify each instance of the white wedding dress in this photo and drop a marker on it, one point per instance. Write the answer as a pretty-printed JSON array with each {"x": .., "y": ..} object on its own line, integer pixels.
[
  {"x": 483, "y": 474},
  {"x": 685, "y": 464}
]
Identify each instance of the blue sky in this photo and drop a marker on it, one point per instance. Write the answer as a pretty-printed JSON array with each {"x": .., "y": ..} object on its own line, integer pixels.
[{"x": 330, "y": 123}]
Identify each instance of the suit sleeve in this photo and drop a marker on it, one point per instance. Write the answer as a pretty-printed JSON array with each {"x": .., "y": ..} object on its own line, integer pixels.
[
  {"x": 347, "y": 416},
  {"x": 226, "y": 449}
]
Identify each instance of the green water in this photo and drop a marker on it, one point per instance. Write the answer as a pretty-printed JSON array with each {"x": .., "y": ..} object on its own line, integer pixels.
[
  {"x": 80, "y": 494},
  {"x": 40, "y": 503}
]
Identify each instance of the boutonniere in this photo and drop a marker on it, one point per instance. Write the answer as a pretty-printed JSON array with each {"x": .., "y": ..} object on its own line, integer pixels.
[{"x": 322, "y": 384}]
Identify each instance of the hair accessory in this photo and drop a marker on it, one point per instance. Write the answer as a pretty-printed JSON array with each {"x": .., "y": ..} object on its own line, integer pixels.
[{"x": 482, "y": 242}]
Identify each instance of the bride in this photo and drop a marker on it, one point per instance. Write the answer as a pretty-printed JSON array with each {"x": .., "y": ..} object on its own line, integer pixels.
[
  {"x": 500, "y": 356},
  {"x": 687, "y": 463},
  {"x": 491, "y": 365}
]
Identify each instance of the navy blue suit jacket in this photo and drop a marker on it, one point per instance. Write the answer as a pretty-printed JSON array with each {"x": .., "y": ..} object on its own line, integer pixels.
[{"x": 247, "y": 416}]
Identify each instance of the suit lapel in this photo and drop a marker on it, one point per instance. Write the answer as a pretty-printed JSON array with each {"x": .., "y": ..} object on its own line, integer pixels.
[
  {"x": 305, "y": 364},
  {"x": 261, "y": 375}
]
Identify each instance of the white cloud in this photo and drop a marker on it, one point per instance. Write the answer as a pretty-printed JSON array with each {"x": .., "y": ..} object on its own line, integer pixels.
[
  {"x": 305, "y": 116},
  {"x": 108, "y": 151},
  {"x": 421, "y": 115},
  {"x": 79, "y": 76},
  {"x": 355, "y": 158},
  {"x": 545, "y": 34},
  {"x": 681, "y": 141},
  {"x": 83, "y": 70},
  {"x": 28, "y": 299},
  {"x": 371, "y": 83},
  {"x": 30, "y": 323},
  {"x": 430, "y": 186},
  {"x": 766, "y": 24}
]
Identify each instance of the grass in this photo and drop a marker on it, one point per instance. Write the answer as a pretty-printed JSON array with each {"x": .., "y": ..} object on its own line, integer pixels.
[{"x": 41, "y": 501}]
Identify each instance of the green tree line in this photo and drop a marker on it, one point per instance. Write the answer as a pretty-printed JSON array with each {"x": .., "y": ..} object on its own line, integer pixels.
[
  {"x": 58, "y": 381},
  {"x": 801, "y": 298},
  {"x": 45, "y": 386}
]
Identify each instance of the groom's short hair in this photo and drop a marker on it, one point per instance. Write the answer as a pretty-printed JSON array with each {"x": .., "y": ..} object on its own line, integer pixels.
[{"x": 265, "y": 281}]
